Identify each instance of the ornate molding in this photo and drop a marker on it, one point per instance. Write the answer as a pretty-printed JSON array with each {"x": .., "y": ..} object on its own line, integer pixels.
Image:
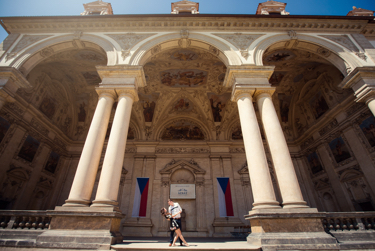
[
  {"x": 237, "y": 150},
  {"x": 128, "y": 41},
  {"x": 131, "y": 92},
  {"x": 191, "y": 165},
  {"x": 106, "y": 92},
  {"x": 27, "y": 40},
  {"x": 184, "y": 42},
  {"x": 343, "y": 40},
  {"x": 183, "y": 150}
]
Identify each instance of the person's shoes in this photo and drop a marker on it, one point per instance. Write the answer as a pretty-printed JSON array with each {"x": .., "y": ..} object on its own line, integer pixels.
[
  {"x": 186, "y": 245},
  {"x": 170, "y": 244}
]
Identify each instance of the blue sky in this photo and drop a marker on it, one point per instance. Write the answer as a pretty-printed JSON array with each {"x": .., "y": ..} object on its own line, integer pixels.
[{"x": 75, "y": 7}]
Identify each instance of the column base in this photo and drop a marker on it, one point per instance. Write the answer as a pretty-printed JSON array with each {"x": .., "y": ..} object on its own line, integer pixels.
[
  {"x": 266, "y": 204},
  {"x": 299, "y": 228},
  {"x": 82, "y": 228},
  {"x": 138, "y": 226},
  {"x": 224, "y": 226},
  {"x": 77, "y": 203},
  {"x": 295, "y": 204}
]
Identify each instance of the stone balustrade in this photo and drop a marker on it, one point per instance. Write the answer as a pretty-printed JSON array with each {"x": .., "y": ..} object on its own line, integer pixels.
[
  {"x": 24, "y": 219},
  {"x": 349, "y": 221}
]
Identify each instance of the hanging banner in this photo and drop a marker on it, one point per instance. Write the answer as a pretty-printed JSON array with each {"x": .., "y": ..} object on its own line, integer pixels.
[
  {"x": 140, "y": 198},
  {"x": 225, "y": 197}
]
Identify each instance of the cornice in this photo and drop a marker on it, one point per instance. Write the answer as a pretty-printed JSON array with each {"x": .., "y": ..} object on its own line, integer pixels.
[{"x": 233, "y": 23}]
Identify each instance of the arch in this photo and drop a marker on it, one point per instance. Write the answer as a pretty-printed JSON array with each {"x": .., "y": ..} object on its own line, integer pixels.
[
  {"x": 169, "y": 41},
  {"x": 31, "y": 52},
  {"x": 231, "y": 127},
  {"x": 349, "y": 175},
  {"x": 163, "y": 126},
  {"x": 340, "y": 56}
]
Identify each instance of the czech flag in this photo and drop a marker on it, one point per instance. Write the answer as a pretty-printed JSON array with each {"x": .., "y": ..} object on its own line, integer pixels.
[
  {"x": 140, "y": 198},
  {"x": 225, "y": 197}
]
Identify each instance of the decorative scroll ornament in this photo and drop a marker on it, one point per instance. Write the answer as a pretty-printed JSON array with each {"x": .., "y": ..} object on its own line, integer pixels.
[
  {"x": 46, "y": 52},
  {"x": 242, "y": 42},
  {"x": 27, "y": 40},
  {"x": 292, "y": 34},
  {"x": 324, "y": 52},
  {"x": 184, "y": 42},
  {"x": 361, "y": 55}
]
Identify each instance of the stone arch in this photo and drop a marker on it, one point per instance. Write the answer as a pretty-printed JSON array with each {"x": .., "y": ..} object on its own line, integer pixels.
[
  {"x": 169, "y": 41},
  {"x": 191, "y": 166},
  {"x": 350, "y": 175},
  {"x": 329, "y": 202},
  {"x": 162, "y": 127},
  {"x": 33, "y": 54},
  {"x": 337, "y": 55},
  {"x": 233, "y": 126}
]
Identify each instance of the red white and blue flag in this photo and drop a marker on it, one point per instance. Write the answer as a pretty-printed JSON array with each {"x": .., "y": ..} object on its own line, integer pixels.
[
  {"x": 225, "y": 197},
  {"x": 140, "y": 198}
]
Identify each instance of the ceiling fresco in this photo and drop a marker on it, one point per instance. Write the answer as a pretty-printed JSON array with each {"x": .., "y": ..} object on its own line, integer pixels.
[
  {"x": 64, "y": 89},
  {"x": 306, "y": 88}
]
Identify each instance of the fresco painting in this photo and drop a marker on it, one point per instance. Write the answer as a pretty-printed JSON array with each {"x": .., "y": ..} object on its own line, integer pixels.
[
  {"x": 218, "y": 103},
  {"x": 280, "y": 56},
  {"x": 52, "y": 162},
  {"x": 318, "y": 105},
  {"x": 91, "y": 77},
  {"x": 237, "y": 133},
  {"x": 182, "y": 131},
  {"x": 89, "y": 56},
  {"x": 368, "y": 128},
  {"x": 183, "y": 78},
  {"x": 148, "y": 104},
  {"x": 276, "y": 77},
  {"x": 131, "y": 134},
  {"x": 4, "y": 126},
  {"x": 82, "y": 112},
  {"x": 183, "y": 104},
  {"x": 339, "y": 149},
  {"x": 29, "y": 148},
  {"x": 48, "y": 107},
  {"x": 284, "y": 106},
  {"x": 314, "y": 163},
  {"x": 184, "y": 55}
]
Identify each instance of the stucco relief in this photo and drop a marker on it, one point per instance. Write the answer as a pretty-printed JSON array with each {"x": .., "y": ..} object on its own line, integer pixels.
[
  {"x": 343, "y": 40},
  {"x": 128, "y": 41}
]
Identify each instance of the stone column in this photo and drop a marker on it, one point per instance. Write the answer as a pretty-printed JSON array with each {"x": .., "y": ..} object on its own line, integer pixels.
[
  {"x": 109, "y": 182},
  {"x": 370, "y": 101},
  {"x": 87, "y": 169},
  {"x": 261, "y": 183},
  {"x": 286, "y": 175}
]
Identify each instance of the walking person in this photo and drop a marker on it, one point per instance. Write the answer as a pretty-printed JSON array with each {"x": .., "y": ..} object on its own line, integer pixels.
[{"x": 175, "y": 210}]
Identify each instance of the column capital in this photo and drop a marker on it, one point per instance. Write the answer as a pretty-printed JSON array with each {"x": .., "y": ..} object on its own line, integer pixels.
[
  {"x": 261, "y": 92},
  {"x": 258, "y": 74},
  {"x": 106, "y": 92},
  {"x": 238, "y": 92},
  {"x": 131, "y": 92},
  {"x": 121, "y": 76},
  {"x": 10, "y": 81},
  {"x": 362, "y": 81}
]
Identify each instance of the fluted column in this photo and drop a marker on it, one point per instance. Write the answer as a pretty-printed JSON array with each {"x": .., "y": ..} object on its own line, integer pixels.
[
  {"x": 87, "y": 169},
  {"x": 111, "y": 172},
  {"x": 286, "y": 175},
  {"x": 261, "y": 184}
]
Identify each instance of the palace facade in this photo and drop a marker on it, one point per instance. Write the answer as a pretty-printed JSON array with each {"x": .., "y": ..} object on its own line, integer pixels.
[{"x": 264, "y": 120}]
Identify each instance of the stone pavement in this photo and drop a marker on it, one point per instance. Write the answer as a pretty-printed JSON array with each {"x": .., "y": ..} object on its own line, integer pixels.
[{"x": 161, "y": 243}]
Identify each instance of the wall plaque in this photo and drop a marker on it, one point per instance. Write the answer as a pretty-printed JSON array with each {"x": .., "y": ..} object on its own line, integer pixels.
[{"x": 182, "y": 191}]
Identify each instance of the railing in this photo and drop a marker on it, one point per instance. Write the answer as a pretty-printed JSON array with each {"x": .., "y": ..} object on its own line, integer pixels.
[
  {"x": 24, "y": 219},
  {"x": 349, "y": 221}
]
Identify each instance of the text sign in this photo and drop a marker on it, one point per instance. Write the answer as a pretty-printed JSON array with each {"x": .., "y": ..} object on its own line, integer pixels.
[{"x": 182, "y": 191}]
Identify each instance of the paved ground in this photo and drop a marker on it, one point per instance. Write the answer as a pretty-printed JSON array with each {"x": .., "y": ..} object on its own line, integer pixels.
[{"x": 161, "y": 243}]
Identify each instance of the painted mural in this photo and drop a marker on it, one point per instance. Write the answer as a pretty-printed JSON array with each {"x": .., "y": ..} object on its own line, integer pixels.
[
  {"x": 184, "y": 55},
  {"x": 82, "y": 112},
  {"x": 183, "y": 78},
  {"x": 182, "y": 131},
  {"x": 91, "y": 77},
  {"x": 29, "y": 148},
  {"x": 318, "y": 105},
  {"x": 52, "y": 162},
  {"x": 368, "y": 128},
  {"x": 183, "y": 104},
  {"x": 314, "y": 163},
  {"x": 339, "y": 149},
  {"x": 280, "y": 56},
  {"x": 284, "y": 106},
  {"x": 237, "y": 133},
  {"x": 148, "y": 104},
  {"x": 48, "y": 107},
  {"x": 4, "y": 126},
  {"x": 276, "y": 77},
  {"x": 218, "y": 103},
  {"x": 90, "y": 56}
]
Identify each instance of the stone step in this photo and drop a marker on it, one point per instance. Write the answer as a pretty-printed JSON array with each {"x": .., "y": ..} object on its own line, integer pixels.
[{"x": 206, "y": 244}]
